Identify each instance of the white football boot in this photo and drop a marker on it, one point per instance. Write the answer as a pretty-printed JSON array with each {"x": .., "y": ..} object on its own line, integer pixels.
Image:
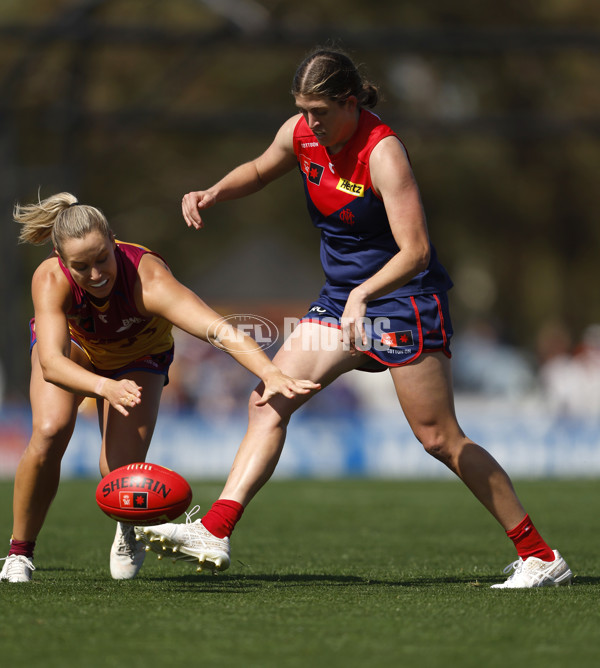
[
  {"x": 534, "y": 572},
  {"x": 187, "y": 542},
  {"x": 126, "y": 554},
  {"x": 17, "y": 568}
]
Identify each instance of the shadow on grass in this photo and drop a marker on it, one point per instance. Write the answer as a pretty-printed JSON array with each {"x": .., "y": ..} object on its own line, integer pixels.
[
  {"x": 239, "y": 583},
  {"x": 246, "y": 582}
]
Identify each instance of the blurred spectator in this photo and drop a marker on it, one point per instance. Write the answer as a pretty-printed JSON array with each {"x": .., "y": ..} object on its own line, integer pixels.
[
  {"x": 556, "y": 371},
  {"x": 484, "y": 364},
  {"x": 570, "y": 378},
  {"x": 203, "y": 380}
]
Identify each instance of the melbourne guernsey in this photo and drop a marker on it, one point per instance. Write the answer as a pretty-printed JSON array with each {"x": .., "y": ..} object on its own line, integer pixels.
[{"x": 356, "y": 239}]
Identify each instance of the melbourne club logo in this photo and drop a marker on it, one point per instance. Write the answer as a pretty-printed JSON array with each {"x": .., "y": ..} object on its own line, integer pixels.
[
  {"x": 346, "y": 216},
  {"x": 232, "y": 328}
]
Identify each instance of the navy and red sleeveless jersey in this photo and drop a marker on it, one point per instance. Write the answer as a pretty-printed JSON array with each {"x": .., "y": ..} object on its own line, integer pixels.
[
  {"x": 114, "y": 333},
  {"x": 356, "y": 239}
]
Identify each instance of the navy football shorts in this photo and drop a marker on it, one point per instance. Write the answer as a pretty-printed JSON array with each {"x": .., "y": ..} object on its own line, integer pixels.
[{"x": 398, "y": 329}]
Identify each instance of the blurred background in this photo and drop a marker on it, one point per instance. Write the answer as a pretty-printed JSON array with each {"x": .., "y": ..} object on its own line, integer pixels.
[{"x": 129, "y": 104}]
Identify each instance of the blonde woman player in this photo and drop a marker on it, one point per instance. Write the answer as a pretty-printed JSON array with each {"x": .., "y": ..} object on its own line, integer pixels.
[{"x": 104, "y": 310}]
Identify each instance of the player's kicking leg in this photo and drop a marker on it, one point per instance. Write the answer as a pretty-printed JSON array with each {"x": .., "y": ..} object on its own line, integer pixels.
[
  {"x": 312, "y": 351},
  {"x": 190, "y": 541}
]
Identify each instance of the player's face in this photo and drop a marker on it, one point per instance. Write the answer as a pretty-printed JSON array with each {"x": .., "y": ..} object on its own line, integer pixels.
[
  {"x": 332, "y": 123},
  {"x": 92, "y": 263}
]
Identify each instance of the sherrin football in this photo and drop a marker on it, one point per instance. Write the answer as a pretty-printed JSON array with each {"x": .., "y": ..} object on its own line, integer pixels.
[{"x": 143, "y": 494}]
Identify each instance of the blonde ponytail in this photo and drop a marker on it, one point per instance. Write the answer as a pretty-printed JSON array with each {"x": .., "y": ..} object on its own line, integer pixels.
[{"x": 57, "y": 218}]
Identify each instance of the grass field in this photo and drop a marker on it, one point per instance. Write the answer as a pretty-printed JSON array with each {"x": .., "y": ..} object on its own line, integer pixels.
[{"x": 345, "y": 573}]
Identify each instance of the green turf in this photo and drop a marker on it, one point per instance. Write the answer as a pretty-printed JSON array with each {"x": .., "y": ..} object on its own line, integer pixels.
[{"x": 345, "y": 573}]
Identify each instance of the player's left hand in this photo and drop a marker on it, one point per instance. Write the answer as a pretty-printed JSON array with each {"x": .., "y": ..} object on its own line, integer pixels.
[{"x": 121, "y": 394}]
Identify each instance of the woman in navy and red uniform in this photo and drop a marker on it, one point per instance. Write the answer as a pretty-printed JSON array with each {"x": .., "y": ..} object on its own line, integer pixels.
[
  {"x": 384, "y": 304},
  {"x": 104, "y": 310}
]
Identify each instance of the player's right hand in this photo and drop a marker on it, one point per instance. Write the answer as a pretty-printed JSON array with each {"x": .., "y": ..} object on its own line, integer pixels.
[{"x": 190, "y": 205}]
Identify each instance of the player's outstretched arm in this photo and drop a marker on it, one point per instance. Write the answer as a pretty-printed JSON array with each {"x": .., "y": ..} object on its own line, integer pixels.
[
  {"x": 246, "y": 179},
  {"x": 159, "y": 293}
]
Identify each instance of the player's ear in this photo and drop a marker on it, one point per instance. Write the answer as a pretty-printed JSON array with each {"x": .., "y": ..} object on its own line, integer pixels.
[{"x": 351, "y": 103}]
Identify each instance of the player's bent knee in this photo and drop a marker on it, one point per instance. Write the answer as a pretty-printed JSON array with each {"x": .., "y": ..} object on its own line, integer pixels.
[
  {"x": 435, "y": 445},
  {"x": 46, "y": 433},
  {"x": 276, "y": 413}
]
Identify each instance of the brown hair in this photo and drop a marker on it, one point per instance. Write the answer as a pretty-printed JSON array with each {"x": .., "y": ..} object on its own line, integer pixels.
[
  {"x": 332, "y": 74},
  {"x": 57, "y": 218}
]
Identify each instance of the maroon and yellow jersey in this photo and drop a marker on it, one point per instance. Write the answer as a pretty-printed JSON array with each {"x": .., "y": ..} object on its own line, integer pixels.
[
  {"x": 356, "y": 238},
  {"x": 114, "y": 333}
]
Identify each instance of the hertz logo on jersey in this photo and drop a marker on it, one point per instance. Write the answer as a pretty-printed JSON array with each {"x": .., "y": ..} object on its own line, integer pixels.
[{"x": 355, "y": 189}]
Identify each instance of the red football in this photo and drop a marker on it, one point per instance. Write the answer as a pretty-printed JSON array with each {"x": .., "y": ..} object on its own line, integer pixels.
[{"x": 143, "y": 494}]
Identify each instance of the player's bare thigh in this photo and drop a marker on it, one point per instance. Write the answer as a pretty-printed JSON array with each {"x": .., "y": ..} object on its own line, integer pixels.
[
  {"x": 424, "y": 389},
  {"x": 313, "y": 352},
  {"x": 316, "y": 352}
]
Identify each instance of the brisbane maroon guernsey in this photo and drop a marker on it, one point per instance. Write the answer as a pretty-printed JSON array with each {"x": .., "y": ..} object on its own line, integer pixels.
[{"x": 113, "y": 333}]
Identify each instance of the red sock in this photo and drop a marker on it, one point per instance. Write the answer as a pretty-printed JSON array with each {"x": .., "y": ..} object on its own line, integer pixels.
[
  {"x": 221, "y": 519},
  {"x": 528, "y": 541},
  {"x": 24, "y": 547}
]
